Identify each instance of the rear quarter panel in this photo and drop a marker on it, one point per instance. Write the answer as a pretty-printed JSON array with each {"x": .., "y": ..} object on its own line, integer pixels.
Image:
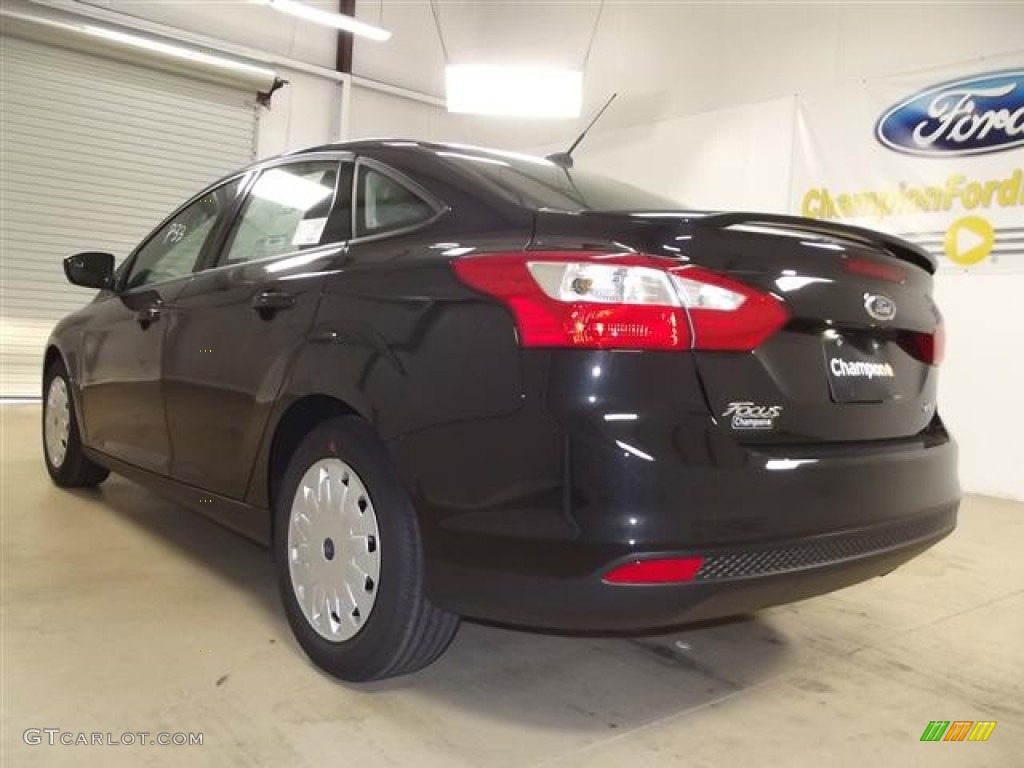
[{"x": 400, "y": 341}]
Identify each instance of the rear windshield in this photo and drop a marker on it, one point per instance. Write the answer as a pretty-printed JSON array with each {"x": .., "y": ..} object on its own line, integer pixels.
[{"x": 540, "y": 184}]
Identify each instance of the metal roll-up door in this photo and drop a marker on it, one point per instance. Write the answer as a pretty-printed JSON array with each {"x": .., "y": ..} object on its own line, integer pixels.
[{"x": 95, "y": 152}]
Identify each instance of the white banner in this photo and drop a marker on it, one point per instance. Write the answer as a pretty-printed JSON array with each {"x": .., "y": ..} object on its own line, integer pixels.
[{"x": 937, "y": 158}]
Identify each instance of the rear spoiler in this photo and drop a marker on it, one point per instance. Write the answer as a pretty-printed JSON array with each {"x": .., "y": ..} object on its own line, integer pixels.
[{"x": 893, "y": 245}]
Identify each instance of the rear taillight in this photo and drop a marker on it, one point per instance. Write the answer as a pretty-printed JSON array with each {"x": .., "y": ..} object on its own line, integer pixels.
[
  {"x": 605, "y": 301},
  {"x": 927, "y": 347}
]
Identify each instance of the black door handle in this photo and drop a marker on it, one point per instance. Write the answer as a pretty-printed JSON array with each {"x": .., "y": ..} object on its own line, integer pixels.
[
  {"x": 147, "y": 316},
  {"x": 269, "y": 303}
]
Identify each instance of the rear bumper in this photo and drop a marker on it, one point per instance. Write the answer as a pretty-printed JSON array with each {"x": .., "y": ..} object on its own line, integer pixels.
[
  {"x": 731, "y": 582},
  {"x": 523, "y": 514}
]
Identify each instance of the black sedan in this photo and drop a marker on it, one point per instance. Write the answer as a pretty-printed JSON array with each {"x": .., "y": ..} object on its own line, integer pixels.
[{"x": 440, "y": 381}]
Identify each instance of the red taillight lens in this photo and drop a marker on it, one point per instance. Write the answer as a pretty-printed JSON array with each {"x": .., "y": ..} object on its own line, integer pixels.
[
  {"x": 604, "y": 301},
  {"x": 932, "y": 346},
  {"x": 927, "y": 347},
  {"x": 663, "y": 571}
]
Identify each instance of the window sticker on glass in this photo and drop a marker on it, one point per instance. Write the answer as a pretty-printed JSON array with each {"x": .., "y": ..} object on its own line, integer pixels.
[
  {"x": 273, "y": 244},
  {"x": 309, "y": 231},
  {"x": 286, "y": 210}
]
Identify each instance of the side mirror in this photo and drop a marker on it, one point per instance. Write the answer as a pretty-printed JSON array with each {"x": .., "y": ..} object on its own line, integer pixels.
[{"x": 90, "y": 269}]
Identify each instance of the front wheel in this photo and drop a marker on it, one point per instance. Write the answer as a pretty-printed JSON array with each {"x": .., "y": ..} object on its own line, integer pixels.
[
  {"x": 62, "y": 444},
  {"x": 349, "y": 558}
]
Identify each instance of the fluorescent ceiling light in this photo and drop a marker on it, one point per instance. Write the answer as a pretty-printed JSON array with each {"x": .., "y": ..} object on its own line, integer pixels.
[
  {"x": 327, "y": 18},
  {"x": 177, "y": 51},
  {"x": 514, "y": 91}
]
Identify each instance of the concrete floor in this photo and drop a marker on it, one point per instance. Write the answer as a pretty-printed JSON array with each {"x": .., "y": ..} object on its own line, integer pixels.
[{"x": 122, "y": 612}]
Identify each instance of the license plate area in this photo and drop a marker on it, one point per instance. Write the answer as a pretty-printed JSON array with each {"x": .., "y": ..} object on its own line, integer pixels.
[{"x": 858, "y": 369}]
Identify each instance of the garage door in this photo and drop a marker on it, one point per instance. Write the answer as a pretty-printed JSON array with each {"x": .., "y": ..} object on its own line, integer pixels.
[{"x": 95, "y": 152}]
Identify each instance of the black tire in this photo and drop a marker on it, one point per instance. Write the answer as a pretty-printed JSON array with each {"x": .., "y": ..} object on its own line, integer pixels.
[
  {"x": 404, "y": 632},
  {"x": 75, "y": 470}
]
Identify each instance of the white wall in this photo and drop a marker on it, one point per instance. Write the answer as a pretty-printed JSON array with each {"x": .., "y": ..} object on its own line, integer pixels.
[
  {"x": 304, "y": 113},
  {"x": 672, "y": 59},
  {"x": 736, "y": 157},
  {"x": 980, "y": 385},
  {"x": 381, "y": 115}
]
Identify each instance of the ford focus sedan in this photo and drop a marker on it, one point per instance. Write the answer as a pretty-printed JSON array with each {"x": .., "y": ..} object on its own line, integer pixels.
[{"x": 442, "y": 382}]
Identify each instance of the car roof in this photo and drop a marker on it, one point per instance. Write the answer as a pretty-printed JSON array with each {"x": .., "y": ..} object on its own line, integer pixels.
[{"x": 413, "y": 146}]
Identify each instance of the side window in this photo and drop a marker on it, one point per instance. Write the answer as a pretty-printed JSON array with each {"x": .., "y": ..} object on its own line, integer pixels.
[
  {"x": 384, "y": 204},
  {"x": 285, "y": 212},
  {"x": 173, "y": 250}
]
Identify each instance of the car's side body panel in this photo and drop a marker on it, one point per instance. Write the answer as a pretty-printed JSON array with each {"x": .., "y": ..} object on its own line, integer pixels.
[
  {"x": 227, "y": 358},
  {"x": 402, "y": 343},
  {"x": 121, "y": 394}
]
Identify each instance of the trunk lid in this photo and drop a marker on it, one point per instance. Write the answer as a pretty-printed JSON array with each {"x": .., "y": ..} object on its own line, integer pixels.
[{"x": 851, "y": 363}]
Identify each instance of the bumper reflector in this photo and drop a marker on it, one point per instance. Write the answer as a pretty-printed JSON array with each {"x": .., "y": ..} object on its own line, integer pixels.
[{"x": 661, "y": 571}]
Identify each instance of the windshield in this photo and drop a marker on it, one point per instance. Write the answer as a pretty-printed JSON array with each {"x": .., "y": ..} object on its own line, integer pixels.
[{"x": 536, "y": 183}]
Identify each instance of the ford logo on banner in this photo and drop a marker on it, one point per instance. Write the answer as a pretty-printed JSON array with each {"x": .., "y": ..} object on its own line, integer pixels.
[{"x": 972, "y": 116}]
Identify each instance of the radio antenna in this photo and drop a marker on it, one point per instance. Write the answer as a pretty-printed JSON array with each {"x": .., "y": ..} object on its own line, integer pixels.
[{"x": 564, "y": 159}]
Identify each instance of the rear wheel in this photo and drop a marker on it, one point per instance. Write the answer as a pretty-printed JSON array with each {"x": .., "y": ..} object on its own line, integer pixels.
[
  {"x": 349, "y": 559},
  {"x": 62, "y": 445}
]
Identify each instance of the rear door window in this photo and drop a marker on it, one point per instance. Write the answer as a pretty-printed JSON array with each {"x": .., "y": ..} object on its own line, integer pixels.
[{"x": 286, "y": 211}]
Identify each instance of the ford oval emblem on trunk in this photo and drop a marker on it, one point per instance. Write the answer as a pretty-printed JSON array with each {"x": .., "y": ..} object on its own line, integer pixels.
[
  {"x": 879, "y": 307},
  {"x": 971, "y": 116}
]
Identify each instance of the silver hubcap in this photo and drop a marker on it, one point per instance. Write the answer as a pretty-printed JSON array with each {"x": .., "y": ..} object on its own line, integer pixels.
[
  {"x": 334, "y": 550},
  {"x": 57, "y": 421}
]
